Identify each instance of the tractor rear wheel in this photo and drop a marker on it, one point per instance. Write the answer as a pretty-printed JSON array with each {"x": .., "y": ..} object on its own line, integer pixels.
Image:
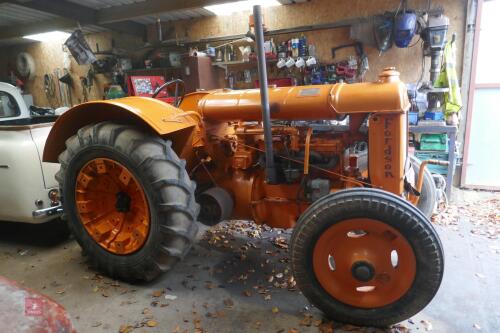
[
  {"x": 366, "y": 257},
  {"x": 128, "y": 200}
]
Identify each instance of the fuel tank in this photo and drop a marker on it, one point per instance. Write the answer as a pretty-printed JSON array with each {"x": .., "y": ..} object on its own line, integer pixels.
[{"x": 321, "y": 102}]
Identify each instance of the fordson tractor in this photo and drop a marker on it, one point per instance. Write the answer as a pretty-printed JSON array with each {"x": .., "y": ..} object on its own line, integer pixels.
[{"x": 331, "y": 161}]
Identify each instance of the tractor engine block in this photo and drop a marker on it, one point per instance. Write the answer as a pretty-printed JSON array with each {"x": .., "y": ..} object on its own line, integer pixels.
[{"x": 310, "y": 164}]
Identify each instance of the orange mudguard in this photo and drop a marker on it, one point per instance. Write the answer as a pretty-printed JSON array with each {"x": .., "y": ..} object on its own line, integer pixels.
[{"x": 159, "y": 117}]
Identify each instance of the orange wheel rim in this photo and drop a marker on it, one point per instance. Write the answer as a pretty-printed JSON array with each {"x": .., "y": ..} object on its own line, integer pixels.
[
  {"x": 112, "y": 206},
  {"x": 364, "y": 263}
]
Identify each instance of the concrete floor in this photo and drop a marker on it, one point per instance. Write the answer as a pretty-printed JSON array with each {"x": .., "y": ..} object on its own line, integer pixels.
[{"x": 215, "y": 288}]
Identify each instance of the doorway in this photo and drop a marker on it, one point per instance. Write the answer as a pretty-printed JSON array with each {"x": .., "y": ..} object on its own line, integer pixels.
[{"x": 481, "y": 168}]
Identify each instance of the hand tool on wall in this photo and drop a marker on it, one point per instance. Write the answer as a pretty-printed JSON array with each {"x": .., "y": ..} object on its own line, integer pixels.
[{"x": 49, "y": 87}]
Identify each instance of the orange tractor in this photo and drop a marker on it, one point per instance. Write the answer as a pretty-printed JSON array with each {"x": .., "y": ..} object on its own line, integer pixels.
[{"x": 330, "y": 161}]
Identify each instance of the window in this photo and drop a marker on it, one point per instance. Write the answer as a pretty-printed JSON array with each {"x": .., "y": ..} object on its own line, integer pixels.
[{"x": 8, "y": 106}]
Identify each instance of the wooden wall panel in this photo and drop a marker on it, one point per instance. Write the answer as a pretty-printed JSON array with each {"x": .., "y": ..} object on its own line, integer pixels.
[
  {"x": 407, "y": 61},
  {"x": 49, "y": 55}
]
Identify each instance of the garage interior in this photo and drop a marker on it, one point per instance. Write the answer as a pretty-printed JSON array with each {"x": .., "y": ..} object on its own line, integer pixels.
[{"x": 239, "y": 276}]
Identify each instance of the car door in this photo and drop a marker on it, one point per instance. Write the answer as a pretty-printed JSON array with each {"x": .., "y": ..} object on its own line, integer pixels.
[{"x": 21, "y": 179}]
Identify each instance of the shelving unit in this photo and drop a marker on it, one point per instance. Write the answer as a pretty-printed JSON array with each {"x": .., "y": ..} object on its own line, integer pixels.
[
  {"x": 451, "y": 131},
  {"x": 236, "y": 63}
]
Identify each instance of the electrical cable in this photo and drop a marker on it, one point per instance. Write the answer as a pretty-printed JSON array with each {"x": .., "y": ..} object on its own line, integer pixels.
[
  {"x": 399, "y": 7},
  {"x": 202, "y": 164}
]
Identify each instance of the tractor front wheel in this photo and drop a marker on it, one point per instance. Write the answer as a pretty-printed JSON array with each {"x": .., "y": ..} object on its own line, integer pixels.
[
  {"x": 366, "y": 257},
  {"x": 128, "y": 200}
]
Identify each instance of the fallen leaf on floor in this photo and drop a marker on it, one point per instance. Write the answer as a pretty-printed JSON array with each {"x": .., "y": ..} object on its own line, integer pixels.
[
  {"x": 275, "y": 309},
  {"x": 307, "y": 321},
  {"x": 147, "y": 313},
  {"x": 247, "y": 293},
  {"x": 399, "y": 328},
  {"x": 326, "y": 327},
  {"x": 427, "y": 325},
  {"x": 60, "y": 291},
  {"x": 152, "y": 323},
  {"x": 125, "y": 329},
  {"x": 479, "y": 275},
  {"x": 477, "y": 327},
  {"x": 349, "y": 328},
  {"x": 293, "y": 330},
  {"x": 170, "y": 297},
  {"x": 228, "y": 303},
  {"x": 280, "y": 242},
  {"x": 96, "y": 324},
  {"x": 158, "y": 293}
]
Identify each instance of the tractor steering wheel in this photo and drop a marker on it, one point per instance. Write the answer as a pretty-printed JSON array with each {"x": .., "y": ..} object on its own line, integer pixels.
[{"x": 175, "y": 87}]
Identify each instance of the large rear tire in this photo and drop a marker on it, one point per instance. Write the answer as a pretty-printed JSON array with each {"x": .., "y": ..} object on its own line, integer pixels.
[
  {"x": 366, "y": 257},
  {"x": 128, "y": 200}
]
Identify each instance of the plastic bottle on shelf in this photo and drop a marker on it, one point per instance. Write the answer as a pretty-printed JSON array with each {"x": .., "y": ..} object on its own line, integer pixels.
[
  {"x": 312, "y": 50},
  {"x": 303, "y": 49},
  {"x": 295, "y": 47}
]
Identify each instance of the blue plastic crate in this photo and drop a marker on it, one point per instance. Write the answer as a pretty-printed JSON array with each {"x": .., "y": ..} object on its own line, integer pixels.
[
  {"x": 413, "y": 118},
  {"x": 429, "y": 115}
]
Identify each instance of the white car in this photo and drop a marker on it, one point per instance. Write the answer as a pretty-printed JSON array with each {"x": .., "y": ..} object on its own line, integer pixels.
[{"x": 28, "y": 189}]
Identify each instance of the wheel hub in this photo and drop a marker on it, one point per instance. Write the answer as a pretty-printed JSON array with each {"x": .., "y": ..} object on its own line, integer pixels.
[
  {"x": 362, "y": 271},
  {"x": 112, "y": 206},
  {"x": 364, "y": 263},
  {"x": 122, "y": 202}
]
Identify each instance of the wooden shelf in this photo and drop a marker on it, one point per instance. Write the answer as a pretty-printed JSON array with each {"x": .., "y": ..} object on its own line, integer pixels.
[
  {"x": 240, "y": 62},
  {"x": 153, "y": 69}
]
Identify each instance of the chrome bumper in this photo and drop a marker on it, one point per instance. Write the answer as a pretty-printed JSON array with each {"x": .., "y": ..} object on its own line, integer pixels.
[{"x": 47, "y": 212}]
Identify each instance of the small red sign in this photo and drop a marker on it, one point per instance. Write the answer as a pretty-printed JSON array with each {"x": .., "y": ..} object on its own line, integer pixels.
[{"x": 33, "y": 306}]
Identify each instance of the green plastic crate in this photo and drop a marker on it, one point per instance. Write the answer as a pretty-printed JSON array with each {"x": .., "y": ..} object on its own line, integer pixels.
[
  {"x": 438, "y": 142},
  {"x": 433, "y": 155}
]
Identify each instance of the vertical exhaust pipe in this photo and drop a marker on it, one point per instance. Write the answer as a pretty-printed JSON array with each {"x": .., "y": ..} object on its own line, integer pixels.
[
  {"x": 159, "y": 30},
  {"x": 271, "y": 176}
]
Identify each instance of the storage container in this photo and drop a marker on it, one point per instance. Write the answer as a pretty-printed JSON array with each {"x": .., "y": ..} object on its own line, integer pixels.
[{"x": 434, "y": 142}]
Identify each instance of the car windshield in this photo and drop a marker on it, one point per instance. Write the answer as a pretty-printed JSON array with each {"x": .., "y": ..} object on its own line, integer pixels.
[{"x": 8, "y": 106}]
